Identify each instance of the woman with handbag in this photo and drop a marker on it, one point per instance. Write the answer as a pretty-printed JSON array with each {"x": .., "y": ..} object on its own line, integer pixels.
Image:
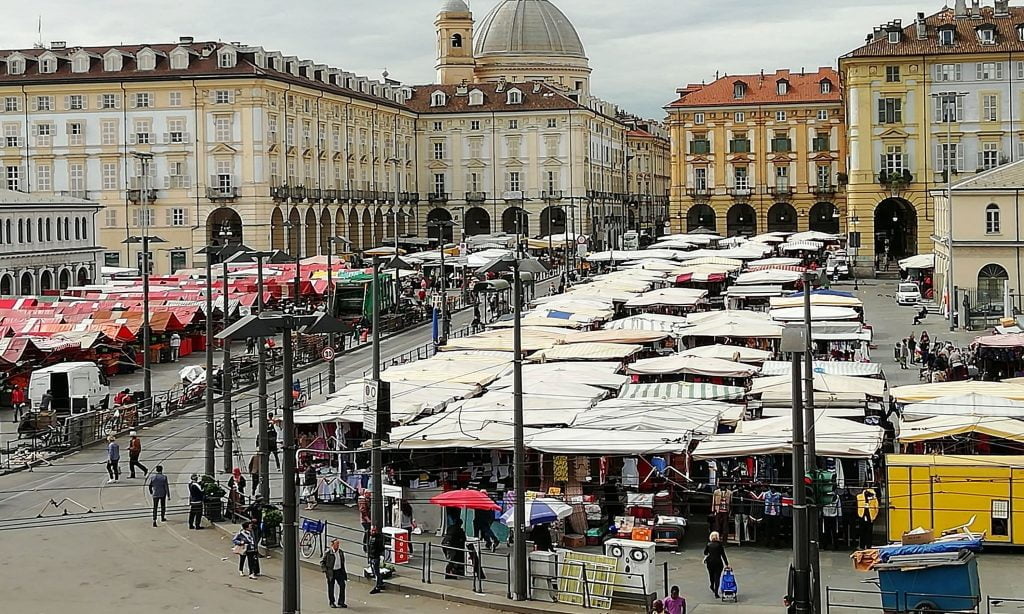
[
  {"x": 246, "y": 549},
  {"x": 715, "y": 560}
]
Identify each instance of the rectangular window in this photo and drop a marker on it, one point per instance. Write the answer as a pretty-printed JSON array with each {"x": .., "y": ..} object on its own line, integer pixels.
[
  {"x": 890, "y": 110},
  {"x": 44, "y": 103},
  {"x": 474, "y": 124},
  {"x": 739, "y": 117},
  {"x": 439, "y": 151},
  {"x": 174, "y": 99},
  {"x": 178, "y": 177},
  {"x": 782, "y": 178},
  {"x": 992, "y": 219},
  {"x": 112, "y": 258},
  {"x": 179, "y": 216},
  {"x": 552, "y": 122},
  {"x": 175, "y": 131},
  {"x": 513, "y": 147},
  {"x": 988, "y": 157},
  {"x": 514, "y": 181},
  {"x": 988, "y": 71},
  {"x": 108, "y": 101},
  {"x": 949, "y": 108},
  {"x": 13, "y": 175},
  {"x": 44, "y": 177},
  {"x": 990, "y": 108},
  {"x": 76, "y": 176},
  {"x": 76, "y": 133},
  {"x": 110, "y": 173},
  {"x": 781, "y": 143},
  {"x": 44, "y": 135},
  {"x": 142, "y": 131},
  {"x": 289, "y": 133},
  {"x": 892, "y": 74},
  {"x": 110, "y": 217},
  {"x": 438, "y": 126},
  {"x": 552, "y": 182},
  {"x": 950, "y": 157},
  {"x": 222, "y": 96},
  {"x": 12, "y": 135},
  {"x": 821, "y": 142},
  {"x": 698, "y": 118},
  {"x": 822, "y": 115},
  {"x": 513, "y": 124},
  {"x": 824, "y": 176},
  {"x": 740, "y": 143},
  {"x": 700, "y": 179},
  {"x": 947, "y": 72},
  {"x": 700, "y": 144},
  {"x": 893, "y": 160},
  {"x": 143, "y": 100},
  {"x": 439, "y": 184},
  {"x": 76, "y": 102},
  {"x": 741, "y": 178},
  {"x": 222, "y": 129},
  {"x": 780, "y": 116},
  {"x": 108, "y": 132},
  {"x": 179, "y": 260},
  {"x": 223, "y": 177},
  {"x": 12, "y": 104}
]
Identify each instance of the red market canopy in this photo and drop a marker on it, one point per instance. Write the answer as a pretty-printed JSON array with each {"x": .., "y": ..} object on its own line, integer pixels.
[
  {"x": 1001, "y": 341},
  {"x": 466, "y": 499},
  {"x": 700, "y": 278}
]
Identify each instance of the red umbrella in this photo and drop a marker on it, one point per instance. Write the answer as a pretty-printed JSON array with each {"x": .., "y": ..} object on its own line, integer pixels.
[{"x": 466, "y": 499}]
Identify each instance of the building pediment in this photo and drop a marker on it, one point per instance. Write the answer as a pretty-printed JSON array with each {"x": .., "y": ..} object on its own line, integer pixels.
[
  {"x": 823, "y": 157},
  {"x": 552, "y": 162},
  {"x": 223, "y": 148},
  {"x": 742, "y": 157},
  {"x": 781, "y": 158},
  {"x": 476, "y": 163},
  {"x": 894, "y": 133},
  {"x": 437, "y": 165}
]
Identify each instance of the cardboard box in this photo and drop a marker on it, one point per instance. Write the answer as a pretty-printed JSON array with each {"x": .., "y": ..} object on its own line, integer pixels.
[
  {"x": 918, "y": 538},
  {"x": 573, "y": 540},
  {"x": 641, "y": 534}
]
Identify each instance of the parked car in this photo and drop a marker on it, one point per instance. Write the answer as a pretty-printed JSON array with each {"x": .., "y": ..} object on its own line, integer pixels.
[{"x": 907, "y": 293}]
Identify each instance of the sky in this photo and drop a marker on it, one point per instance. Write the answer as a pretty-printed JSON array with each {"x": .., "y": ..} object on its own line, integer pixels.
[{"x": 640, "y": 51}]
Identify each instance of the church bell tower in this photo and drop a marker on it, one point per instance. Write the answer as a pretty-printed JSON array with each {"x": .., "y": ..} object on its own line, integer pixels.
[{"x": 454, "y": 25}]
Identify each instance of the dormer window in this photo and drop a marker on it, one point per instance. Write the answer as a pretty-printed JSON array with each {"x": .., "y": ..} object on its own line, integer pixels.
[
  {"x": 438, "y": 99},
  {"x": 145, "y": 60},
  {"x": 113, "y": 61},
  {"x": 987, "y": 36},
  {"x": 782, "y": 87},
  {"x": 80, "y": 63},
  {"x": 826, "y": 86},
  {"x": 739, "y": 89},
  {"x": 225, "y": 58},
  {"x": 179, "y": 59},
  {"x": 48, "y": 65},
  {"x": 894, "y": 36},
  {"x": 1020, "y": 32},
  {"x": 15, "y": 65},
  {"x": 476, "y": 98},
  {"x": 946, "y": 36},
  {"x": 456, "y": 41},
  {"x": 515, "y": 97}
]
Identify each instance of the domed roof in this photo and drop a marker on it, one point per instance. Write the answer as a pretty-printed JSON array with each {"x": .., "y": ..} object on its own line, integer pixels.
[
  {"x": 454, "y": 6},
  {"x": 527, "y": 27}
]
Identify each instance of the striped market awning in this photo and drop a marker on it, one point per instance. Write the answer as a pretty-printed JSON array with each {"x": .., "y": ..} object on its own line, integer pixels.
[
  {"x": 829, "y": 367},
  {"x": 682, "y": 390}
]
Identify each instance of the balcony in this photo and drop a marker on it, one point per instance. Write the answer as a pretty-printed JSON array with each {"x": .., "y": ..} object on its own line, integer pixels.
[
  {"x": 75, "y": 194},
  {"x": 222, "y": 192},
  {"x": 297, "y": 193},
  {"x": 403, "y": 197},
  {"x": 476, "y": 197},
  {"x": 739, "y": 146},
  {"x": 823, "y": 190},
  {"x": 741, "y": 194},
  {"x": 699, "y": 194},
  {"x": 437, "y": 198},
  {"x": 279, "y": 192},
  {"x": 344, "y": 196},
  {"x": 551, "y": 195},
  {"x": 314, "y": 195},
  {"x": 414, "y": 197},
  {"x": 137, "y": 195},
  {"x": 782, "y": 145},
  {"x": 700, "y": 147},
  {"x": 780, "y": 191},
  {"x": 330, "y": 195}
]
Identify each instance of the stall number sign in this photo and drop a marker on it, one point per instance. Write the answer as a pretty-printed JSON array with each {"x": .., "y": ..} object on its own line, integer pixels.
[{"x": 370, "y": 392}]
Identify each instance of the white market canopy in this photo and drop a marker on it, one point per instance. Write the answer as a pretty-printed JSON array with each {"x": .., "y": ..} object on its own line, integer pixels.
[
  {"x": 668, "y": 297},
  {"x": 828, "y": 367},
  {"x": 649, "y": 322},
  {"x": 692, "y": 365},
  {"x": 544, "y": 404},
  {"x": 697, "y": 417},
  {"x": 802, "y": 246},
  {"x": 813, "y": 235},
  {"x": 682, "y": 390},
  {"x": 767, "y": 276},
  {"x": 601, "y": 374},
  {"x": 408, "y": 401},
  {"x": 823, "y": 300},
  {"x": 819, "y": 313},
  {"x": 587, "y": 351},
  {"x": 754, "y": 291},
  {"x": 778, "y": 261},
  {"x": 971, "y": 404},
  {"x": 835, "y": 437},
  {"x": 770, "y": 237},
  {"x": 622, "y": 255},
  {"x": 924, "y": 392},
  {"x": 940, "y": 427},
  {"x": 920, "y": 261},
  {"x": 477, "y": 368},
  {"x": 728, "y": 352},
  {"x": 822, "y": 382},
  {"x": 455, "y": 429},
  {"x": 737, "y": 328},
  {"x": 615, "y": 335},
  {"x": 584, "y": 440}
]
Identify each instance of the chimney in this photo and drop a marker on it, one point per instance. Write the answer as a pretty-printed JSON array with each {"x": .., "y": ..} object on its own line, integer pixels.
[
  {"x": 919, "y": 26},
  {"x": 186, "y": 40},
  {"x": 975, "y": 9},
  {"x": 1002, "y": 8},
  {"x": 960, "y": 10},
  {"x": 58, "y": 45}
]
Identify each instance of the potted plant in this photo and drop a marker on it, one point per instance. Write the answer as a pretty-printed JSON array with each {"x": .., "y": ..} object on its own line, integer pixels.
[
  {"x": 213, "y": 494},
  {"x": 272, "y": 519}
]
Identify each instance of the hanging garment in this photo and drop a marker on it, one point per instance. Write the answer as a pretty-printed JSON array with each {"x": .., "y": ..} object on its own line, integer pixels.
[
  {"x": 712, "y": 473},
  {"x": 630, "y": 473},
  {"x": 582, "y": 469},
  {"x": 772, "y": 503},
  {"x": 560, "y": 467},
  {"x": 867, "y": 505}
]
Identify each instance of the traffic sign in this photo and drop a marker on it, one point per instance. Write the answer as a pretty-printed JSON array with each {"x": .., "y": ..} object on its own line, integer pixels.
[
  {"x": 581, "y": 239},
  {"x": 328, "y": 354},
  {"x": 370, "y": 390}
]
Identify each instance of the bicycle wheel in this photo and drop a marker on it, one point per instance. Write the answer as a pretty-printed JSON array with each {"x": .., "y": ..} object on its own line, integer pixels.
[
  {"x": 307, "y": 545},
  {"x": 218, "y": 436}
]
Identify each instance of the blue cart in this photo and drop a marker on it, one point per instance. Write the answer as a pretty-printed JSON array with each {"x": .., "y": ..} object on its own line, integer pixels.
[{"x": 943, "y": 582}]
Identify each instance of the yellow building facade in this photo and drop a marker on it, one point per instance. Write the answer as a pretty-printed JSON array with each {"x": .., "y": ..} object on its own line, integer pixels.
[{"x": 758, "y": 153}]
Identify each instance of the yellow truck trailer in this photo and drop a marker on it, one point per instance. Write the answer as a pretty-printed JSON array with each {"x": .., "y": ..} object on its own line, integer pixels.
[{"x": 944, "y": 492}]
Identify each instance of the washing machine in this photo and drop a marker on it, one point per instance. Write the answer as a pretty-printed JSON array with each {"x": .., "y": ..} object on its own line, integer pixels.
[{"x": 635, "y": 565}]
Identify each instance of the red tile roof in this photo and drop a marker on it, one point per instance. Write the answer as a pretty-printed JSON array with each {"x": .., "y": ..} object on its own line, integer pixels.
[
  {"x": 965, "y": 39},
  {"x": 761, "y": 90},
  {"x": 639, "y": 134},
  {"x": 545, "y": 98}
]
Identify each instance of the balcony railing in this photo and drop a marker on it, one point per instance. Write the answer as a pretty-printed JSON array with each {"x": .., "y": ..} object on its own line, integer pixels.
[
  {"x": 330, "y": 195},
  {"x": 741, "y": 193},
  {"x": 414, "y": 197},
  {"x": 476, "y": 197},
  {"x": 313, "y": 195},
  {"x": 699, "y": 193},
  {"x": 136, "y": 196},
  {"x": 279, "y": 192},
  {"x": 297, "y": 193},
  {"x": 552, "y": 195},
  {"x": 780, "y": 190},
  {"x": 344, "y": 196},
  {"x": 222, "y": 192},
  {"x": 437, "y": 197},
  {"x": 823, "y": 190}
]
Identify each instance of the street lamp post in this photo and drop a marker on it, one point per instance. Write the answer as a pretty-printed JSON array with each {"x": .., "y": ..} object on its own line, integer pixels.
[
  {"x": 227, "y": 419},
  {"x": 442, "y": 226},
  {"x": 145, "y": 159},
  {"x": 268, "y": 324},
  {"x": 210, "y": 467},
  {"x": 949, "y": 101},
  {"x": 297, "y": 228},
  {"x": 332, "y": 371}
]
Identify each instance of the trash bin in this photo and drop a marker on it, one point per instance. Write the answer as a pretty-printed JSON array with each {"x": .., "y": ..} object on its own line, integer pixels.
[{"x": 398, "y": 545}]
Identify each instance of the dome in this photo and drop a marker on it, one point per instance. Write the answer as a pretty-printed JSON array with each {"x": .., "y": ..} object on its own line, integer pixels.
[
  {"x": 527, "y": 27},
  {"x": 454, "y": 6}
]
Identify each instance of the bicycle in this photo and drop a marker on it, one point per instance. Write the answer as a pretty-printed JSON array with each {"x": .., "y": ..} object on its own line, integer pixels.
[{"x": 310, "y": 541}]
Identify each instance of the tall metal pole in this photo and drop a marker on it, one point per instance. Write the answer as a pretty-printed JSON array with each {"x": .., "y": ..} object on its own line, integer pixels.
[
  {"x": 444, "y": 291},
  {"x": 519, "y": 452},
  {"x": 801, "y": 565},
  {"x": 810, "y": 449},
  {"x": 290, "y": 597},
  {"x": 261, "y": 391},
  {"x": 211, "y": 463},
  {"x": 376, "y": 462},
  {"x": 949, "y": 215},
  {"x": 147, "y": 371},
  {"x": 332, "y": 371},
  {"x": 227, "y": 421}
]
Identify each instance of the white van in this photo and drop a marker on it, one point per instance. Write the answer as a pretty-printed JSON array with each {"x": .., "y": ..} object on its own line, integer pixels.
[
  {"x": 74, "y": 387},
  {"x": 631, "y": 240}
]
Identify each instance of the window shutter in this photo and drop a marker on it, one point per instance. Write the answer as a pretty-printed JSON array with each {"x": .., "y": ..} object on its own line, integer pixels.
[
  {"x": 131, "y": 102},
  {"x": 170, "y": 217},
  {"x": 117, "y": 101},
  {"x": 35, "y": 104},
  {"x": 184, "y": 215},
  {"x": 99, "y": 101},
  {"x": 67, "y": 102},
  {"x": 85, "y": 102},
  {"x": 999, "y": 70},
  {"x": 938, "y": 72},
  {"x": 959, "y": 108},
  {"x": 960, "y": 158},
  {"x": 979, "y": 71},
  {"x": 981, "y": 159},
  {"x": 881, "y": 162},
  {"x": 959, "y": 72},
  {"x": 938, "y": 110},
  {"x": 940, "y": 160}
]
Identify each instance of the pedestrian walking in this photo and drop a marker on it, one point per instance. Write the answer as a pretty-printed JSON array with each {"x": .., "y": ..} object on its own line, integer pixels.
[
  {"x": 275, "y": 433},
  {"x": 912, "y": 348},
  {"x": 454, "y": 547},
  {"x": 309, "y": 482},
  {"x": 254, "y": 471},
  {"x": 376, "y": 551},
  {"x": 113, "y": 458},
  {"x": 407, "y": 523},
  {"x": 333, "y": 565},
  {"x": 134, "y": 451},
  {"x": 482, "y": 521},
  {"x": 18, "y": 402},
  {"x": 364, "y": 518},
  {"x": 195, "y": 503},
  {"x": 658, "y": 607},
  {"x": 175, "y": 346},
  {"x": 674, "y": 604},
  {"x": 247, "y": 551},
  {"x": 924, "y": 342},
  {"x": 159, "y": 489},
  {"x": 715, "y": 560}
]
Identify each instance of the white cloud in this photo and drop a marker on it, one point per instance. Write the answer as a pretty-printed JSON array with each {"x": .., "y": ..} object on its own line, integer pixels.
[{"x": 640, "y": 50}]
